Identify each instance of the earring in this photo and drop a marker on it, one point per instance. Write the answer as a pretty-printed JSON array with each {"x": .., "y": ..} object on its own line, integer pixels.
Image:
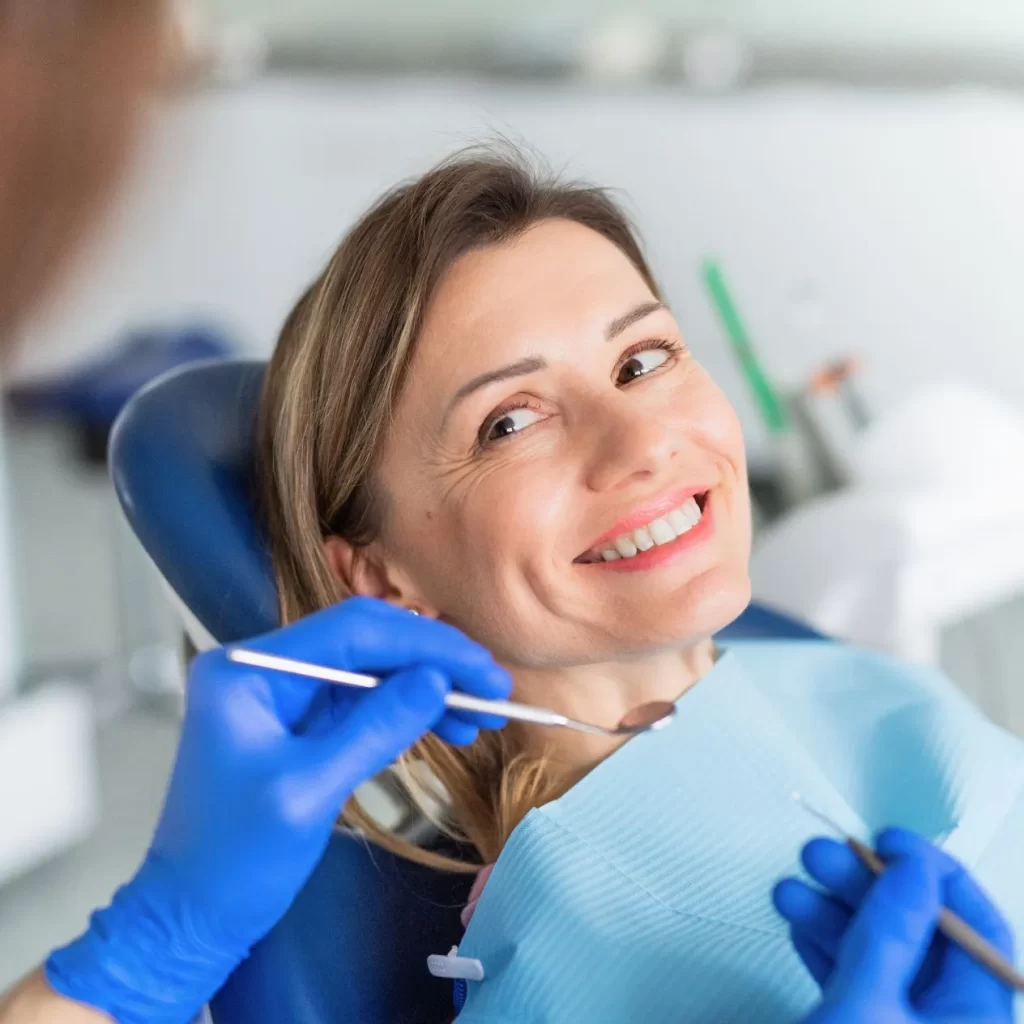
[{"x": 412, "y": 611}]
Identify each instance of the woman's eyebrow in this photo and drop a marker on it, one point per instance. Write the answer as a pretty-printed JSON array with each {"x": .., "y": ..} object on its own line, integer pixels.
[
  {"x": 622, "y": 323},
  {"x": 531, "y": 364}
]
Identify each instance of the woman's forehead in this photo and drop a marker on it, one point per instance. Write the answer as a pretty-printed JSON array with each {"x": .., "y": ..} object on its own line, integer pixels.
[{"x": 557, "y": 279}]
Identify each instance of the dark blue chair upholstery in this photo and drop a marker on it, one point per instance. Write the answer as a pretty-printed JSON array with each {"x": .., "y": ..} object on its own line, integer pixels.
[
  {"x": 181, "y": 455},
  {"x": 761, "y": 623},
  {"x": 95, "y": 392},
  {"x": 353, "y": 947}
]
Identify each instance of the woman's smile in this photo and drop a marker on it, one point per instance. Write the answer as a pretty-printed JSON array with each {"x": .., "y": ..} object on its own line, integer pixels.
[
  {"x": 657, "y": 542},
  {"x": 654, "y": 523}
]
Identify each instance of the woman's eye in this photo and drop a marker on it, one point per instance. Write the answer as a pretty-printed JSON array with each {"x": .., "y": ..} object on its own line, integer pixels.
[
  {"x": 511, "y": 422},
  {"x": 642, "y": 363}
]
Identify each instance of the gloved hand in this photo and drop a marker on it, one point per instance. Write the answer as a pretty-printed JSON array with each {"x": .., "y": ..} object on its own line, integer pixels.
[
  {"x": 871, "y": 943},
  {"x": 265, "y": 763}
]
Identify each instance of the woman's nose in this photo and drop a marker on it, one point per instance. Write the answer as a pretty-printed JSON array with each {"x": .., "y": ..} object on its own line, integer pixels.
[{"x": 630, "y": 444}]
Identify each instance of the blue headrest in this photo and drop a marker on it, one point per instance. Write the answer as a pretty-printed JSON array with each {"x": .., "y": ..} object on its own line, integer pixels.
[{"x": 181, "y": 456}]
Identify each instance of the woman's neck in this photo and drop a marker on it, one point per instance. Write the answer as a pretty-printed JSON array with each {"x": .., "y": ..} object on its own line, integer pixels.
[{"x": 602, "y": 693}]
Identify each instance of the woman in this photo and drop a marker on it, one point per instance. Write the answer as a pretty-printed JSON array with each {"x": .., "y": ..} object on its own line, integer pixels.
[{"x": 484, "y": 412}]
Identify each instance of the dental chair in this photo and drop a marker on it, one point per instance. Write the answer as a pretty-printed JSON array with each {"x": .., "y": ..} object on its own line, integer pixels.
[{"x": 353, "y": 947}]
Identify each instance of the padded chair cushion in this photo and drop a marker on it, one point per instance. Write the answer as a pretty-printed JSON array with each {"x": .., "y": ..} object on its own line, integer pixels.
[{"x": 181, "y": 456}]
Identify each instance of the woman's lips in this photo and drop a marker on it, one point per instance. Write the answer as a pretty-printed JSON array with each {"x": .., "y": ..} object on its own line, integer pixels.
[
  {"x": 645, "y": 514},
  {"x": 661, "y": 554}
]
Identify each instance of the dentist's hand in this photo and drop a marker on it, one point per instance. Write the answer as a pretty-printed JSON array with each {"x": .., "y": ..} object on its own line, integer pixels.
[
  {"x": 264, "y": 765},
  {"x": 871, "y": 943}
]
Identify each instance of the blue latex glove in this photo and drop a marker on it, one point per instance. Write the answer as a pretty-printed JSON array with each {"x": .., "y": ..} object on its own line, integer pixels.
[
  {"x": 264, "y": 764},
  {"x": 871, "y": 943}
]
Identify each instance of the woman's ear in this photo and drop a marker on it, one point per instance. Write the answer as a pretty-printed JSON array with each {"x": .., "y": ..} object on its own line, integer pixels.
[
  {"x": 362, "y": 573},
  {"x": 355, "y": 572}
]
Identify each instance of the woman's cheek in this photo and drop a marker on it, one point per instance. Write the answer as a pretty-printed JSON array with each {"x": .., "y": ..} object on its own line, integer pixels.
[
  {"x": 716, "y": 421},
  {"x": 529, "y": 503}
]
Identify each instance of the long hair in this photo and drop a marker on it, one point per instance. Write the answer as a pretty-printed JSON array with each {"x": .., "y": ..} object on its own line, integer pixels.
[{"x": 329, "y": 396}]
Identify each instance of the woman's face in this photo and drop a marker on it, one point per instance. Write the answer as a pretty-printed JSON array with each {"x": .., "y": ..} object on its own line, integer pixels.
[{"x": 565, "y": 482}]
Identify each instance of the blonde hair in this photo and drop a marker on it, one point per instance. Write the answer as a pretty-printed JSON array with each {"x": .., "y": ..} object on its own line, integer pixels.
[{"x": 330, "y": 392}]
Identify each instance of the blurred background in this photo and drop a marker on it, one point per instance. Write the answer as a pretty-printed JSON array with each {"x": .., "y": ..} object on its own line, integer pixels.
[{"x": 830, "y": 194}]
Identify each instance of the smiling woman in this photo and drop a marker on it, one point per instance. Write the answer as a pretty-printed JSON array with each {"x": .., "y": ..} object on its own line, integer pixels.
[
  {"x": 507, "y": 417},
  {"x": 484, "y": 412}
]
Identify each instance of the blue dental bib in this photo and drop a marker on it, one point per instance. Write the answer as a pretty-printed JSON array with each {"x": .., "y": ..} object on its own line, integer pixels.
[{"x": 643, "y": 894}]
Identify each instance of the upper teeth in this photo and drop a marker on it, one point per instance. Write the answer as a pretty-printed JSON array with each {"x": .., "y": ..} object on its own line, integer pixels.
[{"x": 662, "y": 531}]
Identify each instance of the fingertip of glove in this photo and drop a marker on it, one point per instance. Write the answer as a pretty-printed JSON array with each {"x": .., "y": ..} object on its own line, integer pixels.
[
  {"x": 789, "y": 897},
  {"x": 498, "y": 681},
  {"x": 899, "y": 842},
  {"x": 434, "y": 679},
  {"x": 424, "y": 688},
  {"x": 793, "y": 899},
  {"x": 455, "y": 732},
  {"x": 824, "y": 853}
]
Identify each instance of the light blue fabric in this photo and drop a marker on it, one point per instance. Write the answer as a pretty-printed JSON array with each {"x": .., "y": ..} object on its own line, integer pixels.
[{"x": 643, "y": 894}]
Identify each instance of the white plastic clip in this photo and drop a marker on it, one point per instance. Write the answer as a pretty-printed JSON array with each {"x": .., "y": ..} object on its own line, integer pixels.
[{"x": 455, "y": 966}]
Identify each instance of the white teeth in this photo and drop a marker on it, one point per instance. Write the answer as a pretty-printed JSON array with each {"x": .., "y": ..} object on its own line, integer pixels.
[
  {"x": 663, "y": 530},
  {"x": 625, "y": 547},
  {"x": 679, "y": 521},
  {"x": 642, "y": 539}
]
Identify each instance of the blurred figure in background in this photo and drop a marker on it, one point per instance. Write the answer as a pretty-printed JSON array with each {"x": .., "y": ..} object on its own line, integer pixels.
[{"x": 75, "y": 78}]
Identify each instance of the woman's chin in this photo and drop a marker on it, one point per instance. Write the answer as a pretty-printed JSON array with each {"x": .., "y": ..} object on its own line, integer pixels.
[
  {"x": 634, "y": 626},
  {"x": 709, "y": 603}
]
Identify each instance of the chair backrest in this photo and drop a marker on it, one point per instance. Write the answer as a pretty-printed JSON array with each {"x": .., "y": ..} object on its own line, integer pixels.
[
  {"x": 761, "y": 623},
  {"x": 354, "y": 945},
  {"x": 181, "y": 456}
]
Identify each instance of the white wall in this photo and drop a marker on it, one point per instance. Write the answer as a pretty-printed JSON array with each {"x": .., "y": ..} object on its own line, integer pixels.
[{"x": 903, "y": 213}]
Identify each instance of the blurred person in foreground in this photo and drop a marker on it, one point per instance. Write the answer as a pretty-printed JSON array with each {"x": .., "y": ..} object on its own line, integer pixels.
[{"x": 274, "y": 759}]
